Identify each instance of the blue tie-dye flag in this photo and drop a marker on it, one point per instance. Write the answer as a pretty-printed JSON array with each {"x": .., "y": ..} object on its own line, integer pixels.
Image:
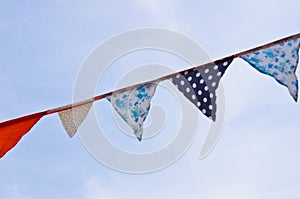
[
  {"x": 133, "y": 106},
  {"x": 280, "y": 62}
]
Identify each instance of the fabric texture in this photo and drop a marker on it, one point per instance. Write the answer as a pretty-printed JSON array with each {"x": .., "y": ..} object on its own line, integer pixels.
[
  {"x": 13, "y": 130},
  {"x": 72, "y": 118},
  {"x": 280, "y": 62},
  {"x": 199, "y": 85},
  {"x": 133, "y": 106}
]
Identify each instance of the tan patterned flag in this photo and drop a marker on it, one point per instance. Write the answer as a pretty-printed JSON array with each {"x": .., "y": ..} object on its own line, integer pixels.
[{"x": 71, "y": 119}]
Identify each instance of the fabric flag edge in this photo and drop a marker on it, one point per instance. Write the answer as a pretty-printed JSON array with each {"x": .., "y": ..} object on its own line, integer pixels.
[{"x": 12, "y": 131}]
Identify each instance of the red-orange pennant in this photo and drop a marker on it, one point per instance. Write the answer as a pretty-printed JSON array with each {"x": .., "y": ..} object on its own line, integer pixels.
[{"x": 12, "y": 131}]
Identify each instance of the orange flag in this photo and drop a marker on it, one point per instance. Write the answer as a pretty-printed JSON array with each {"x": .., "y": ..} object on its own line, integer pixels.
[{"x": 12, "y": 131}]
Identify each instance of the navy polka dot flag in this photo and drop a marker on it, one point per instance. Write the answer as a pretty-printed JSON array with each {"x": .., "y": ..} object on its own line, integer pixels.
[{"x": 199, "y": 85}]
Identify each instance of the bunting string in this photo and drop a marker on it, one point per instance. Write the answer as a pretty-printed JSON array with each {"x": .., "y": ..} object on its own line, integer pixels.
[
  {"x": 278, "y": 59},
  {"x": 237, "y": 55}
]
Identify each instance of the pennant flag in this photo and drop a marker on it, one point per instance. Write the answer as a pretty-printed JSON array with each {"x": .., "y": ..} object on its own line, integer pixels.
[
  {"x": 280, "y": 62},
  {"x": 199, "y": 85},
  {"x": 12, "y": 131},
  {"x": 72, "y": 118},
  {"x": 133, "y": 106}
]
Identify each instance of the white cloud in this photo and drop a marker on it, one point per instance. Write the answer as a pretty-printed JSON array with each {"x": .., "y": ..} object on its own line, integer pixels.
[
  {"x": 14, "y": 192},
  {"x": 94, "y": 189},
  {"x": 165, "y": 13}
]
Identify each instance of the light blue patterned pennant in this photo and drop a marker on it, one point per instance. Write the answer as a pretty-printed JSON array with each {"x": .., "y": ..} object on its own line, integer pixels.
[
  {"x": 133, "y": 106},
  {"x": 280, "y": 62}
]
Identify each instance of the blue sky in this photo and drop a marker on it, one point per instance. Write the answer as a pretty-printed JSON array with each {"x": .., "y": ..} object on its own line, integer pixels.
[{"x": 43, "y": 45}]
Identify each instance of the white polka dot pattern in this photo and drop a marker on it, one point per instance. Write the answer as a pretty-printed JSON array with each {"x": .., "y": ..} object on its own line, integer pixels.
[{"x": 200, "y": 85}]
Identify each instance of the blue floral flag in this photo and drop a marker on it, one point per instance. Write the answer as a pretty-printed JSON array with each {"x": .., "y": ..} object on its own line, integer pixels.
[
  {"x": 280, "y": 62},
  {"x": 133, "y": 106}
]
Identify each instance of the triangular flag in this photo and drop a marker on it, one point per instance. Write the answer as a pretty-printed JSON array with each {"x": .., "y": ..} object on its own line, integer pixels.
[
  {"x": 133, "y": 106},
  {"x": 12, "y": 131},
  {"x": 72, "y": 118},
  {"x": 280, "y": 62},
  {"x": 199, "y": 85}
]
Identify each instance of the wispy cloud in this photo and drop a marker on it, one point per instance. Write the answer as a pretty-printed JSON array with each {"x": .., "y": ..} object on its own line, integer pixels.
[
  {"x": 94, "y": 189},
  {"x": 14, "y": 192},
  {"x": 164, "y": 13}
]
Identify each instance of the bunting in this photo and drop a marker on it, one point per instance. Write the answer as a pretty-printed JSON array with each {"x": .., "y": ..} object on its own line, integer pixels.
[
  {"x": 199, "y": 85},
  {"x": 278, "y": 59},
  {"x": 71, "y": 119},
  {"x": 13, "y": 130},
  {"x": 133, "y": 106},
  {"x": 280, "y": 62}
]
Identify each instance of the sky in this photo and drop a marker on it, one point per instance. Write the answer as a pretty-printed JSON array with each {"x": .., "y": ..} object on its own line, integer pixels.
[{"x": 43, "y": 45}]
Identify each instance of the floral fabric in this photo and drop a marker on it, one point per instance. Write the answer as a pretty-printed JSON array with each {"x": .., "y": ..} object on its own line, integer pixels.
[
  {"x": 280, "y": 62},
  {"x": 133, "y": 106}
]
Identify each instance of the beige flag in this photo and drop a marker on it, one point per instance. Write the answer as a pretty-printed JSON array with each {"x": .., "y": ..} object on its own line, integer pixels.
[{"x": 71, "y": 119}]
